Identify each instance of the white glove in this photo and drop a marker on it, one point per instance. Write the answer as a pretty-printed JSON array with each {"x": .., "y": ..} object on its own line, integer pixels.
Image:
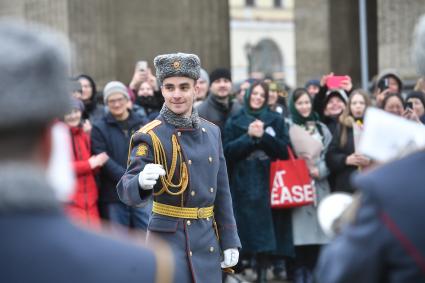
[
  {"x": 149, "y": 175},
  {"x": 231, "y": 257}
]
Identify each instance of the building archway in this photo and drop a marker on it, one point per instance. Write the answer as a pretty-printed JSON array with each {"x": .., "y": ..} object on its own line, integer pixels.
[{"x": 266, "y": 57}]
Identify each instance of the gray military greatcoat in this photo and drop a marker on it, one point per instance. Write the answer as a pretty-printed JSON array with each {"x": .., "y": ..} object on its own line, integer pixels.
[{"x": 197, "y": 249}]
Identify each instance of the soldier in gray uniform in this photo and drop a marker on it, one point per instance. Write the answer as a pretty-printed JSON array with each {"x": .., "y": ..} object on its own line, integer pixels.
[{"x": 178, "y": 158}]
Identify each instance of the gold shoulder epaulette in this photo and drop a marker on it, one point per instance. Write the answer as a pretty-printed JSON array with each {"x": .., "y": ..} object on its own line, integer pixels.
[{"x": 149, "y": 126}]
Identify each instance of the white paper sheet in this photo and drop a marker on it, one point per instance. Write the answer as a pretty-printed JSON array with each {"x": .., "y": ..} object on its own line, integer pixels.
[{"x": 386, "y": 137}]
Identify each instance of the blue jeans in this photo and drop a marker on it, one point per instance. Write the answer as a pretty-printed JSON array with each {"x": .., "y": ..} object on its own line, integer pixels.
[{"x": 135, "y": 217}]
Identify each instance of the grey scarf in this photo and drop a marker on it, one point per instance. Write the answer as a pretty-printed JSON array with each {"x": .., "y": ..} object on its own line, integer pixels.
[
  {"x": 24, "y": 188},
  {"x": 179, "y": 121}
]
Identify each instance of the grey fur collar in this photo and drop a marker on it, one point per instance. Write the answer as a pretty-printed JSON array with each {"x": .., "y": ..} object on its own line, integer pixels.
[
  {"x": 23, "y": 188},
  {"x": 178, "y": 120}
]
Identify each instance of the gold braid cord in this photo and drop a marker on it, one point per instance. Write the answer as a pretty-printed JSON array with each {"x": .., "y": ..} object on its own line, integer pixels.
[{"x": 161, "y": 158}]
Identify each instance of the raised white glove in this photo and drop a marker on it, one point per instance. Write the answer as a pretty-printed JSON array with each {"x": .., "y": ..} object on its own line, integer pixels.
[
  {"x": 231, "y": 257},
  {"x": 149, "y": 175}
]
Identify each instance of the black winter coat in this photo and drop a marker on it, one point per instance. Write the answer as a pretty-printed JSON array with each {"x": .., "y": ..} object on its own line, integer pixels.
[
  {"x": 339, "y": 179},
  {"x": 107, "y": 136}
]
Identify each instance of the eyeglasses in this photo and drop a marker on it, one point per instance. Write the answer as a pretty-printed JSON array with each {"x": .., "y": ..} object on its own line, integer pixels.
[{"x": 114, "y": 101}]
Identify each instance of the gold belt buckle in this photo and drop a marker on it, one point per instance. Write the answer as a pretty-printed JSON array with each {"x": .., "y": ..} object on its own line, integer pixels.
[{"x": 202, "y": 213}]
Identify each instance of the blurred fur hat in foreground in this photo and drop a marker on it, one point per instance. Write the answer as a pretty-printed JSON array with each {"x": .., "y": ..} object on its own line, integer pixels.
[{"x": 33, "y": 75}]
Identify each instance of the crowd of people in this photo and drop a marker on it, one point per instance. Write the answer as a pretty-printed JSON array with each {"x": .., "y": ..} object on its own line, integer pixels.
[
  {"x": 255, "y": 122},
  {"x": 212, "y": 205}
]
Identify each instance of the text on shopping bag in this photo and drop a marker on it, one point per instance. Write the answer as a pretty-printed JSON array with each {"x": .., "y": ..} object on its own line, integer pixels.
[{"x": 295, "y": 195}]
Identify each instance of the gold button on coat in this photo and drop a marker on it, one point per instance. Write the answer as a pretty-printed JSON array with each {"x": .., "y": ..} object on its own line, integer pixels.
[
  {"x": 190, "y": 253},
  {"x": 211, "y": 249},
  {"x": 179, "y": 134},
  {"x": 188, "y": 222},
  {"x": 189, "y": 162},
  {"x": 192, "y": 193},
  {"x": 210, "y": 159},
  {"x": 211, "y": 190}
]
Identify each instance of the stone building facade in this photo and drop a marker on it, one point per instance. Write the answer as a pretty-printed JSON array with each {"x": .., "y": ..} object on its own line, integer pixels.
[
  {"x": 108, "y": 36},
  {"x": 328, "y": 38}
]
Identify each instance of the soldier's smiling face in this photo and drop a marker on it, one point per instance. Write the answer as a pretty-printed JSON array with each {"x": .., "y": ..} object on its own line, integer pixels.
[{"x": 179, "y": 94}]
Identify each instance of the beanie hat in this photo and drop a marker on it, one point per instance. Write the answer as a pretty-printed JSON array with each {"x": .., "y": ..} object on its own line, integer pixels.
[
  {"x": 77, "y": 104},
  {"x": 204, "y": 76},
  {"x": 336, "y": 92},
  {"x": 177, "y": 65},
  {"x": 114, "y": 87},
  {"x": 416, "y": 94},
  {"x": 312, "y": 82},
  {"x": 220, "y": 73}
]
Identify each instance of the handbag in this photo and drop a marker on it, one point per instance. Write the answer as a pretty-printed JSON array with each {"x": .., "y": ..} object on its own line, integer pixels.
[{"x": 290, "y": 183}]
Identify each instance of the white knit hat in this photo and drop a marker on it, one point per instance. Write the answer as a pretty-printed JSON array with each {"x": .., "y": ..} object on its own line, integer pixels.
[{"x": 114, "y": 87}]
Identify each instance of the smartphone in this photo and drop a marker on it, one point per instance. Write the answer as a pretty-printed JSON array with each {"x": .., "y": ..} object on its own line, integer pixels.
[
  {"x": 384, "y": 84},
  {"x": 142, "y": 65},
  {"x": 335, "y": 81},
  {"x": 409, "y": 105}
]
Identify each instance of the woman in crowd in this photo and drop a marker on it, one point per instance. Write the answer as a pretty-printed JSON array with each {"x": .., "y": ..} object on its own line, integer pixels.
[
  {"x": 334, "y": 104},
  {"x": 277, "y": 101},
  {"x": 148, "y": 103},
  {"x": 387, "y": 83},
  {"x": 329, "y": 103},
  {"x": 252, "y": 139},
  {"x": 416, "y": 99},
  {"x": 93, "y": 110},
  {"x": 393, "y": 103},
  {"x": 307, "y": 233},
  {"x": 83, "y": 205},
  {"x": 341, "y": 157}
]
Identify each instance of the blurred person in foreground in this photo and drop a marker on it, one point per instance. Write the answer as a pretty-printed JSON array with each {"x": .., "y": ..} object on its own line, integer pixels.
[
  {"x": 178, "y": 160},
  {"x": 385, "y": 240},
  {"x": 38, "y": 243}
]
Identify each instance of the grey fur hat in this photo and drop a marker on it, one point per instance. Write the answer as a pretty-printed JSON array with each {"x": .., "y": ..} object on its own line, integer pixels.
[
  {"x": 419, "y": 46},
  {"x": 177, "y": 65},
  {"x": 33, "y": 75}
]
